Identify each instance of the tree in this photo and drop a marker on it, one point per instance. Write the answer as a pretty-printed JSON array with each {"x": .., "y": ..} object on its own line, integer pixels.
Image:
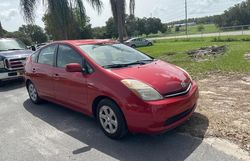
[
  {"x": 59, "y": 13},
  {"x": 2, "y": 31},
  {"x": 111, "y": 28},
  {"x": 21, "y": 36},
  {"x": 177, "y": 28},
  {"x": 35, "y": 33},
  {"x": 234, "y": 16},
  {"x": 79, "y": 27},
  {"x": 153, "y": 25},
  {"x": 118, "y": 10},
  {"x": 99, "y": 32},
  {"x": 200, "y": 28}
]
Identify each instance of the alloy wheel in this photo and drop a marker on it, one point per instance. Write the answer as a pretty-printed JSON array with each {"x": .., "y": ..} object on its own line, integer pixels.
[
  {"x": 32, "y": 92},
  {"x": 108, "y": 119}
]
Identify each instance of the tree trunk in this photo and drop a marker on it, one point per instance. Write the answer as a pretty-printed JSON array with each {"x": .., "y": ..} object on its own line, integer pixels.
[{"x": 120, "y": 19}]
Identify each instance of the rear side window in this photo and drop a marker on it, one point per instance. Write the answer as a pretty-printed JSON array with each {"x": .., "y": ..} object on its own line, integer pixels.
[
  {"x": 46, "y": 55},
  {"x": 67, "y": 55}
]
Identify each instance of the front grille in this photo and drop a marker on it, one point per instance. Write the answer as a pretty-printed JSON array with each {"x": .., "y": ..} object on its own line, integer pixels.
[
  {"x": 178, "y": 117},
  {"x": 179, "y": 93},
  {"x": 14, "y": 64}
]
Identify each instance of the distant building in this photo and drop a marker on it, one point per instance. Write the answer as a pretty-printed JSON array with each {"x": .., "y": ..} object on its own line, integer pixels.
[{"x": 184, "y": 24}]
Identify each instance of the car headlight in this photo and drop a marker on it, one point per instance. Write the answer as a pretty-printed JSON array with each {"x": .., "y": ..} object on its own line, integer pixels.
[
  {"x": 185, "y": 72},
  {"x": 142, "y": 90},
  {"x": 1, "y": 64}
]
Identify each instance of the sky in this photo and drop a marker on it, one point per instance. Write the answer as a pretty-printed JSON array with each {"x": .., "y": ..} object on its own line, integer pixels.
[{"x": 167, "y": 10}]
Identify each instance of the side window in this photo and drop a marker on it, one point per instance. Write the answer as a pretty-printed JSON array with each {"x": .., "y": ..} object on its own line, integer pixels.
[
  {"x": 67, "y": 55},
  {"x": 46, "y": 55},
  {"x": 34, "y": 57}
]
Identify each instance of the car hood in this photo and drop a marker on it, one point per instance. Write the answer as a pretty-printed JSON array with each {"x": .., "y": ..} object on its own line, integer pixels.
[
  {"x": 15, "y": 53},
  {"x": 162, "y": 76}
]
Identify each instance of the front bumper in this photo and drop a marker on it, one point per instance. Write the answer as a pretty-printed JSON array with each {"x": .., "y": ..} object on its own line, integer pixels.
[
  {"x": 8, "y": 75},
  {"x": 159, "y": 116}
]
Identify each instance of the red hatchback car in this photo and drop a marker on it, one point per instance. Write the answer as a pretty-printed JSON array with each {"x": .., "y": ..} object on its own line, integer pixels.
[{"x": 124, "y": 89}]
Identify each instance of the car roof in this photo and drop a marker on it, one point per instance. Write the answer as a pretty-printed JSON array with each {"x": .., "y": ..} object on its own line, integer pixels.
[
  {"x": 3, "y": 38},
  {"x": 86, "y": 42}
]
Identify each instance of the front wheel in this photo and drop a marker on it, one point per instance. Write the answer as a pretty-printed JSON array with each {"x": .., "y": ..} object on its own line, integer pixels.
[
  {"x": 111, "y": 119},
  {"x": 33, "y": 93}
]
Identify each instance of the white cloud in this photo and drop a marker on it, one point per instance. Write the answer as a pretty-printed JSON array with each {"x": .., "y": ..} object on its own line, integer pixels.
[
  {"x": 8, "y": 15},
  {"x": 167, "y": 10}
]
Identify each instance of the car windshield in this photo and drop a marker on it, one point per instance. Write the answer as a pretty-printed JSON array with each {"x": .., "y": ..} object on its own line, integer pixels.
[
  {"x": 11, "y": 44},
  {"x": 115, "y": 55}
]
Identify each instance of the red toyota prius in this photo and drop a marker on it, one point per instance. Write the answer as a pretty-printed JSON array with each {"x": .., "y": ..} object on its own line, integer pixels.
[{"x": 124, "y": 89}]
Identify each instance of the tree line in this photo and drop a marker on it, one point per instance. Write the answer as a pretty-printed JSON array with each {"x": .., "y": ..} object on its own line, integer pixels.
[
  {"x": 134, "y": 26},
  {"x": 234, "y": 16},
  {"x": 239, "y": 14},
  {"x": 29, "y": 34}
]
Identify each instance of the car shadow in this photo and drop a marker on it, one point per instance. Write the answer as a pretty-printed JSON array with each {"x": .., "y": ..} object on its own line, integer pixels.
[
  {"x": 168, "y": 146},
  {"x": 12, "y": 85}
]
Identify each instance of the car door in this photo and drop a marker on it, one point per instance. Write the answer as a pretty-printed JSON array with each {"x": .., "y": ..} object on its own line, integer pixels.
[
  {"x": 137, "y": 42},
  {"x": 43, "y": 70},
  {"x": 144, "y": 42},
  {"x": 70, "y": 88},
  {"x": 140, "y": 42}
]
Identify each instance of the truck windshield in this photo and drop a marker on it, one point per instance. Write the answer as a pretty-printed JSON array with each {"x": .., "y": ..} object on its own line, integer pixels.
[
  {"x": 11, "y": 44},
  {"x": 115, "y": 55}
]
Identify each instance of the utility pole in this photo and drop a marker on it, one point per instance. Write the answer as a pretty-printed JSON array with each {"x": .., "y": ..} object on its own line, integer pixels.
[{"x": 186, "y": 17}]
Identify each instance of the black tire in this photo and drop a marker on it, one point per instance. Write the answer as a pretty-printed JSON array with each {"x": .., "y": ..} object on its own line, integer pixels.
[
  {"x": 1, "y": 83},
  {"x": 133, "y": 46},
  {"x": 121, "y": 129},
  {"x": 34, "y": 97},
  {"x": 150, "y": 44}
]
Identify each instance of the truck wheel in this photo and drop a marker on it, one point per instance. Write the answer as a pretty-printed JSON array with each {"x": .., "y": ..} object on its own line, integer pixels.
[{"x": 1, "y": 83}]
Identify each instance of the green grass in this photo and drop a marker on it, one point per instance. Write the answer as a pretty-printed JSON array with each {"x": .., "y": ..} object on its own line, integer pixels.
[
  {"x": 208, "y": 28},
  {"x": 174, "y": 51}
]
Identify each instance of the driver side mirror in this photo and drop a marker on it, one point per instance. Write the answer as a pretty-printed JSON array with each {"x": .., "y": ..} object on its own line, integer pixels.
[{"x": 74, "y": 67}]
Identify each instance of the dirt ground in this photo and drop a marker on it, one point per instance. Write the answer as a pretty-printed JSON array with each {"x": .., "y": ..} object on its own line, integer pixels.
[{"x": 223, "y": 110}]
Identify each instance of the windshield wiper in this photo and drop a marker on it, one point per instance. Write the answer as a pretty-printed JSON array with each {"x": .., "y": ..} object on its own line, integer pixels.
[
  {"x": 115, "y": 66},
  {"x": 141, "y": 62},
  {"x": 15, "y": 49}
]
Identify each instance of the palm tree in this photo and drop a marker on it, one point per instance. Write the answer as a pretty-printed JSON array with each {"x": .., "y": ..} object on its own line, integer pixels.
[
  {"x": 119, "y": 10},
  {"x": 61, "y": 11}
]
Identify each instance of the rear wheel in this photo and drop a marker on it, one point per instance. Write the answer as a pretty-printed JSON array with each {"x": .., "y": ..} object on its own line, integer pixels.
[
  {"x": 111, "y": 120},
  {"x": 33, "y": 93},
  {"x": 133, "y": 46},
  {"x": 150, "y": 44}
]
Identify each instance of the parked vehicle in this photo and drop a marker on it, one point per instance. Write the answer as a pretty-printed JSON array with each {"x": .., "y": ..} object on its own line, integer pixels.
[
  {"x": 138, "y": 42},
  {"x": 13, "y": 54},
  {"x": 124, "y": 89}
]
